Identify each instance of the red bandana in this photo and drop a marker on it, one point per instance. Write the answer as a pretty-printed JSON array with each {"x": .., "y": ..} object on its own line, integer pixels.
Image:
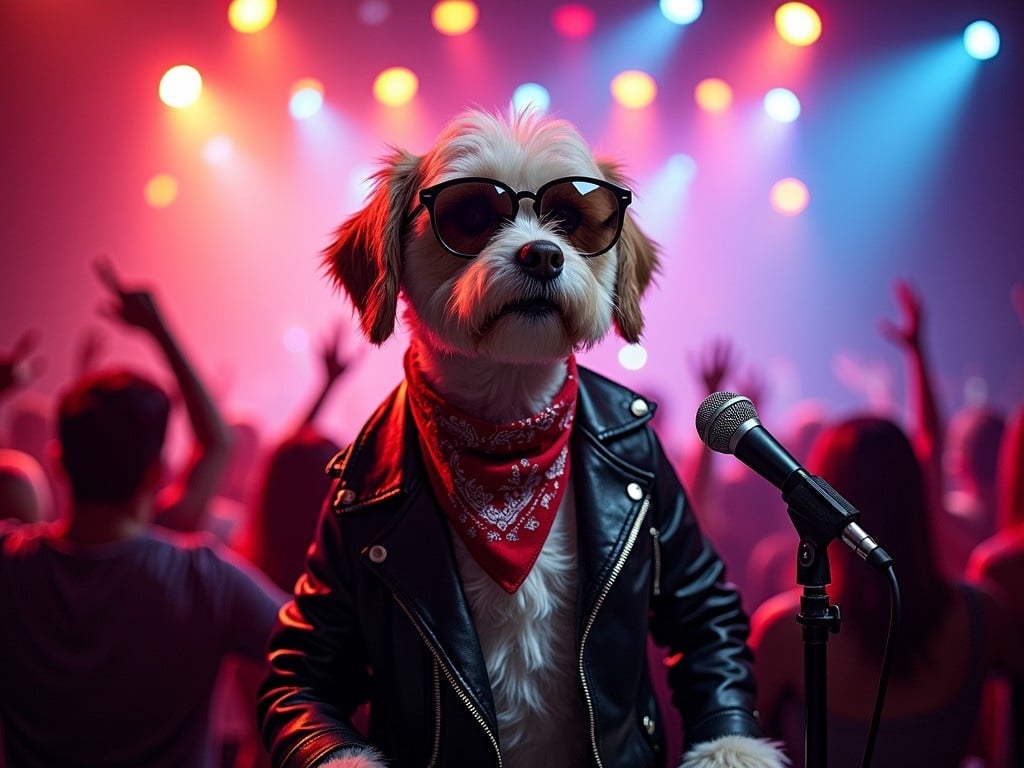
[{"x": 499, "y": 484}]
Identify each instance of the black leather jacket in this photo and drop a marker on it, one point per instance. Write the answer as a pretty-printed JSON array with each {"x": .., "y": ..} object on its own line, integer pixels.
[{"x": 380, "y": 614}]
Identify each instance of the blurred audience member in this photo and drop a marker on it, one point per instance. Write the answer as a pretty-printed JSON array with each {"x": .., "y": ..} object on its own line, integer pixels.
[
  {"x": 291, "y": 489},
  {"x": 958, "y": 459},
  {"x": 736, "y": 506},
  {"x": 183, "y": 504},
  {"x": 24, "y": 488},
  {"x": 952, "y": 635},
  {"x": 999, "y": 562},
  {"x": 971, "y": 457},
  {"x": 113, "y": 631}
]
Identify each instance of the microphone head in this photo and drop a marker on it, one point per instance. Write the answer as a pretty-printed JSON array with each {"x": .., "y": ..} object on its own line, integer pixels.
[{"x": 719, "y": 416}]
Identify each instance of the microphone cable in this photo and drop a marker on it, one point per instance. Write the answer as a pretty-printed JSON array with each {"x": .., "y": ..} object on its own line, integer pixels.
[{"x": 883, "y": 677}]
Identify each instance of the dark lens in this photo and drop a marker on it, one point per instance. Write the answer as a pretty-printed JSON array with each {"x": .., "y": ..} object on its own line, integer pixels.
[
  {"x": 467, "y": 215},
  {"x": 585, "y": 212}
]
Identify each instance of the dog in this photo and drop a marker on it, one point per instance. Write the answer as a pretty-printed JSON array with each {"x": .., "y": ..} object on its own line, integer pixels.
[{"x": 511, "y": 249}]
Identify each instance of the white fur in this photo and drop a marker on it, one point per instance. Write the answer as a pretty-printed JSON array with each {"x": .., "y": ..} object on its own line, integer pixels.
[
  {"x": 736, "y": 752},
  {"x": 503, "y": 366}
]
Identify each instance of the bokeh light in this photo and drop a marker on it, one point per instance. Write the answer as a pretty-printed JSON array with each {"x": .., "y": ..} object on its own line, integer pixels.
[
  {"x": 713, "y": 95},
  {"x": 781, "y": 104},
  {"x": 632, "y": 357},
  {"x": 307, "y": 98},
  {"x": 296, "y": 340},
  {"x": 574, "y": 21},
  {"x": 531, "y": 96},
  {"x": 634, "y": 89},
  {"x": 454, "y": 17},
  {"x": 682, "y": 167},
  {"x": 373, "y": 13},
  {"x": 180, "y": 86},
  {"x": 682, "y": 11},
  {"x": 217, "y": 150},
  {"x": 161, "y": 190},
  {"x": 789, "y": 196},
  {"x": 981, "y": 40},
  {"x": 248, "y": 16},
  {"x": 798, "y": 23},
  {"x": 396, "y": 86}
]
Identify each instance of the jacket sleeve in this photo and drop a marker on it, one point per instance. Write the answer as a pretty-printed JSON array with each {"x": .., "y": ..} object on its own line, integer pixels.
[
  {"x": 317, "y": 666},
  {"x": 698, "y": 615}
]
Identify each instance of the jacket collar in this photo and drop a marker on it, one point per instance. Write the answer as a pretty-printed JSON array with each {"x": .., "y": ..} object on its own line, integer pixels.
[{"x": 384, "y": 457}]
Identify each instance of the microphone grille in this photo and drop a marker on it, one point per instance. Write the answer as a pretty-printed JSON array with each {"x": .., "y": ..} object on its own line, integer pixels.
[{"x": 720, "y": 415}]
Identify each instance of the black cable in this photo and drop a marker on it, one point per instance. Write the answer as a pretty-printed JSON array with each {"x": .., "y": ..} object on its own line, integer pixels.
[{"x": 883, "y": 678}]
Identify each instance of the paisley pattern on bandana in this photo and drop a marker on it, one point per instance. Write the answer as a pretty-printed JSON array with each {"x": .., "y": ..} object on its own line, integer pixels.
[{"x": 499, "y": 484}]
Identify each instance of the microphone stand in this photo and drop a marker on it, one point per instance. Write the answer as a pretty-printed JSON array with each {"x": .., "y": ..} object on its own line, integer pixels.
[
  {"x": 812, "y": 508},
  {"x": 818, "y": 619}
]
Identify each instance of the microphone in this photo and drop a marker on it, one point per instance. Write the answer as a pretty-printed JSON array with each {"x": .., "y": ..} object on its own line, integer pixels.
[{"x": 728, "y": 423}]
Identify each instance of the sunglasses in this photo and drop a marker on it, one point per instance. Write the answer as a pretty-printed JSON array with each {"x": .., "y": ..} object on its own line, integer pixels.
[{"x": 466, "y": 213}]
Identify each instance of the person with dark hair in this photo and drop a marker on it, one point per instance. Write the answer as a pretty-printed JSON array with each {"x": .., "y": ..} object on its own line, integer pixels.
[
  {"x": 998, "y": 561},
  {"x": 951, "y": 634},
  {"x": 114, "y": 630}
]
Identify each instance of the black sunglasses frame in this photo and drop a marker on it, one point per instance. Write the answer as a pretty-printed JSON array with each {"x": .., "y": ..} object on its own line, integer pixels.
[{"x": 428, "y": 196}]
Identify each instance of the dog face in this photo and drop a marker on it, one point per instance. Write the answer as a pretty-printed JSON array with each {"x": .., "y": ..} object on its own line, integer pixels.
[{"x": 530, "y": 293}]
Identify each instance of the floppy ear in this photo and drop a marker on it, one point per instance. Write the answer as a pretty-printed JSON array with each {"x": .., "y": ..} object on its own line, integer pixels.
[
  {"x": 638, "y": 262},
  {"x": 366, "y": 256}
]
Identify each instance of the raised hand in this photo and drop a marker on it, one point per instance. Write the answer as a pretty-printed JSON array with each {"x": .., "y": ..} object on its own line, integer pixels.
[
  {"x": 132, "y": 306},
  {"x": 335, "y": 363},
  {"x": 714, "y": 364},
  {"x": 18, "y": 367},
  {"x": 907, "y": 333}
]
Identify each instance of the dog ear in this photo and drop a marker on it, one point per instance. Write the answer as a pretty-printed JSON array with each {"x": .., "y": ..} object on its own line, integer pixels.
[
  {"x": 366, "y": 256},
  {"x": 638, "y": 262}
]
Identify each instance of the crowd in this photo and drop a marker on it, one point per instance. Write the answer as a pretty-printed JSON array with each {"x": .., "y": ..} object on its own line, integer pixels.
[{"x": 149, "y": 590}]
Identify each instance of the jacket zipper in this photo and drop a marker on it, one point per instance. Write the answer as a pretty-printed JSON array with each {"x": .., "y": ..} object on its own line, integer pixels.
[
  {"x": 656, "y": 542},
  {"x": 463, "y": 697},
  {"x": 634, "y": 532},
  {"x": 437, "y": 716}
]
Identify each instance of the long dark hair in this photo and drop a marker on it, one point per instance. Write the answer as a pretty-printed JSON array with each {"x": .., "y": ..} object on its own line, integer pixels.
[{"x": 871, "y": 462}]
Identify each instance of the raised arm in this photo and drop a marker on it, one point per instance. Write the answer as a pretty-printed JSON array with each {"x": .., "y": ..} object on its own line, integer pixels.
[
  {"x": 335, "y": 364},
  {"x": 711, "y": 365},
  {"x": 927, "y": 433},
  {"x": 184, "y": 502}
]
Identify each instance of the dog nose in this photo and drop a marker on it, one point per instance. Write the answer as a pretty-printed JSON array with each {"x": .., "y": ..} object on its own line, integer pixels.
[{"x": 541, "y": 259}]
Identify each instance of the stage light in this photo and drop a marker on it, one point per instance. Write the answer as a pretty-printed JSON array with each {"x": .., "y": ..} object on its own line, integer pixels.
[
  {"x": 789, "y": 196},
  {"x": 682, "y": 11},
  {"x": 250, "y": 16},
  {"x": 574, "y": 21},
  {"x": 180, "y": 86},
  {"x": 634, "y": 89},
  {"x": 797, "y": 23},
  {"x": 218, "y": 150},
  {"x": 713, "y": 95},
  {"x": 981, "y": 40},
  {"x": 161, "y": 190},
  {"x": 454, "y": 17},
  {"x": 531, "y": 96},
  {"x": 395, "y": 86},
  {"x": 307, "y": 98},
  {"x": 632, "y": 357},
  {"x": 782, "y": 105}
]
